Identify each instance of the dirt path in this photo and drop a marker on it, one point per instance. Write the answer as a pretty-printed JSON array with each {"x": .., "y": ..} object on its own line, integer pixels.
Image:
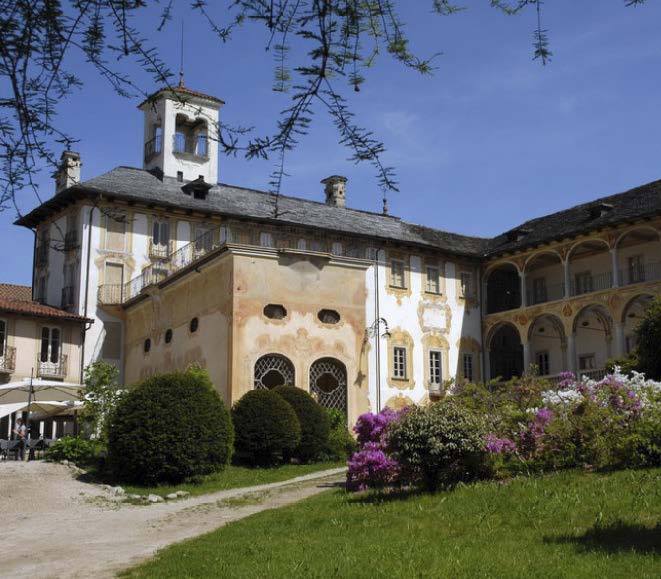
[{"x": 56, "y": 526}]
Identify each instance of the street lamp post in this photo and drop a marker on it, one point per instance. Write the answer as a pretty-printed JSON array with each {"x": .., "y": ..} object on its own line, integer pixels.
[{"x": 374, "y": 331}]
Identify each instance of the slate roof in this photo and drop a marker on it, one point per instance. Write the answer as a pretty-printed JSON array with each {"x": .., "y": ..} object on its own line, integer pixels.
[
  {"x": 142, "y": 186},
  {"x": 638, "y": 203},
  {"x": 17, "y": 299}
]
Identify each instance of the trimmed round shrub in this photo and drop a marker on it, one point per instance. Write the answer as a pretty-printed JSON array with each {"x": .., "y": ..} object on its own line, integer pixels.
[
  {"x": 315, "y": 424},
  {"x": 341, "y": 445},
  {"x": 267, "y": 428},
  {"x": 439, "y": 445},
  {"x": 169, "y": 428}
]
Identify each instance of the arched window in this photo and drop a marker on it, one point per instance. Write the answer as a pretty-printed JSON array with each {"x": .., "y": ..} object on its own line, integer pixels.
[
  {"x": 328, "y": 383},
  {"x": 273, "y": 370}
]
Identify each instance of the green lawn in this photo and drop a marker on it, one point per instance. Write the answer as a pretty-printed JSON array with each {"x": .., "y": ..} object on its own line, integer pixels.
[
  {"x": 571, "y": 524},
  {"x": 236, "y": 477}
]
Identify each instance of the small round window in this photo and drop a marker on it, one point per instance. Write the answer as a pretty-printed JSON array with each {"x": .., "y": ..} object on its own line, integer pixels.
[
  {"x": 194, "y": 324},
  {"x": 275, "y": 312},
  {"x": 168, "y": 335},
  {"x": 328, "y": 316},
  {"x": 147, "y": 345}
]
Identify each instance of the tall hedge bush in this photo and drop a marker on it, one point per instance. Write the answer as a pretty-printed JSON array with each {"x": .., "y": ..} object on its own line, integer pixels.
[
  {"x": 267, "y": 428},
  {"x": 648, "y": 334},
  {"x": 168, "y": 428},
  {"x": 314, "y": 420}
]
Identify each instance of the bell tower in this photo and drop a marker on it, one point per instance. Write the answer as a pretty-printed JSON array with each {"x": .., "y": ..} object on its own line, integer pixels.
[{"x": 181, "y": 134}]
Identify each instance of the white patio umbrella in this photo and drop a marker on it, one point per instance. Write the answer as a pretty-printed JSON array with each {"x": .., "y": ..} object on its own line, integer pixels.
[
  {"x": 31, "y": 391},
  {"x": 35, "y": 390}
]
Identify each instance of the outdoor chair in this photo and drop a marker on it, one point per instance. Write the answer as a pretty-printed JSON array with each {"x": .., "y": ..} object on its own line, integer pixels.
[
  {"x": 3, "y": 449},
  {"x": 14, "y": 447}
]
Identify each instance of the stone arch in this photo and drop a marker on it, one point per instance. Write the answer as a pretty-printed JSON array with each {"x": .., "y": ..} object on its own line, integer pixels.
[
  {"x": 505, "y": 351},
  {"x": 328, "y": 383},
  {"x": 590, "y": 266},
  {"x": 548, "y": 344},
  {"x": 592, "y": 328},
  {"x": 538, "y": 254},
  {"x": 632, "y": 314},
  {"x": 644, "y": 299},
  {"x": 652, "y": 231},
  {"x": 503, "y": 287},
  {"x": 273, "y": 370}
]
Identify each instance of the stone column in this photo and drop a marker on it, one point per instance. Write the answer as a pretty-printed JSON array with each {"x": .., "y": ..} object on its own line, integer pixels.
[
  {"x": 526, "y": 356},
  {"x": 615, "y": 266},
  {"x": 571, "y": 353},
  {"x": 620, "y": 341},
  {"x": 566, "y": 267},
  {"x": 524, "y": 296}
]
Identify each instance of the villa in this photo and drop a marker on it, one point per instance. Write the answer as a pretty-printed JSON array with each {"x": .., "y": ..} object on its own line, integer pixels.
[{"x": 362, "y": 309}]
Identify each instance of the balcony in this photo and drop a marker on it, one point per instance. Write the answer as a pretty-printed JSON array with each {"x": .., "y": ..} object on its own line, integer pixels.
[
  {"x": 541, "y": 294},
  {"x": 67, "y": 297},
  {"x": 153, "y": 147},
  {"x": 71, "y": 240},
  {"x": 585, "y": 284},
  {"x": 41, "y": 255},
  {"x": 641, "y": 273},
  {"x": 50, "y": 369},
  {"x": 160, "y": 252},
  {"x": 8, "y": 360}
]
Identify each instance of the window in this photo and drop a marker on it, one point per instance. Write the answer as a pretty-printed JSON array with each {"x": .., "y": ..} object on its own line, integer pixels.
[
  {"x": 168, "y": 335},
  {"x": 399, "y": 363},
  {"x": 302, "y": 245},
  {"x": 466, "y": 284},
  {"x": 468, "y": 367},
  {"x": 539, "y": 293},
  {"x": 275, "y": 312},
  {"x": 273, "y": 370},
  {"x": 636, "y": 269},
  {"x": 179, "y": 142},
  {"x": 583, "y": 282},
  {"x": 194, "y": 325},
  {"x": 542, "y": 360},
  {"x": 202, "y": 145},
  {"x": 180, "y": 176},
  {"x": 336, "y": 248},
  {"x": 266, "y": 239},
  {"x": 397, "y": 273},
  {"x": 115, "y": 231},
  {"x": 146, "y": 346},
  {"x": 328, "y": 316},
  {"x": 50, "y": 345},
  {"x": 433, "y": 282},
  {"x": 587, "y": 362},
  {"x": 160, "y": 234},
  {"x": 435, "y": 369}
]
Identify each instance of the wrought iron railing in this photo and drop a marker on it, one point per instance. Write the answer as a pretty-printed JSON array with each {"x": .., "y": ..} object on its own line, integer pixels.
[
  {"x": 8, "y": 360},
  {"x": 591, "y": 283},
  {"x": 547, "y": 293},
  {"x": 153, "y": 147},
  {"x": 50, "y": 369},
  {"x": 641, "y": 273},
  {"x": 115, "y": 294},
  {"x": 67, "y": 297}
]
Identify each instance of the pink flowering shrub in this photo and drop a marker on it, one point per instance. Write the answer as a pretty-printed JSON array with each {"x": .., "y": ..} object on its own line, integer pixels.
[{"x": 371, "y": 466}]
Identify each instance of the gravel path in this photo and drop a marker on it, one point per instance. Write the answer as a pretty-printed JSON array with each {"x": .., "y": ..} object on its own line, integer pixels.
[{"x": 56, "y": 526}]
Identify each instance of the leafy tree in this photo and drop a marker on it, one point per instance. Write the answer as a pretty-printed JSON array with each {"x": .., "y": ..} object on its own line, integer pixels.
[
  {"x": 648, "y": 334},
  {"x": 100, "y": 397},
  {"x": 334, "y": 43}
]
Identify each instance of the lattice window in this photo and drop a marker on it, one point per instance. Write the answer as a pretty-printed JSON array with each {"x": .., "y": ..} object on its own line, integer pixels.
[
  {"x": 273, "y": 370},
  {"x": 328, "y": 383}
]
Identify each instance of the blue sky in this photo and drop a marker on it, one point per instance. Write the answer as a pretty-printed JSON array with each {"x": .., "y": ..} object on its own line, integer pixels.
[{"x": 488, "y": 141}]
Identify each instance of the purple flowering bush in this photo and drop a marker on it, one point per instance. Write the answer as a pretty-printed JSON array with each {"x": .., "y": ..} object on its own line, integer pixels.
[{"x": 372, "y": 467}]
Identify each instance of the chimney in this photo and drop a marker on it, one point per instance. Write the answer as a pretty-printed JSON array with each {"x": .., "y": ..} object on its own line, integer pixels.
[
  {"x": 335, "y": 190},
  {"x": 68, "y": 173}
]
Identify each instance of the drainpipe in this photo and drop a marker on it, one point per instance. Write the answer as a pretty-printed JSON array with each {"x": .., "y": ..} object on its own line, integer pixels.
[
  {"x": 34, "y": 259},
  {"x": 86, "y": 326}
]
